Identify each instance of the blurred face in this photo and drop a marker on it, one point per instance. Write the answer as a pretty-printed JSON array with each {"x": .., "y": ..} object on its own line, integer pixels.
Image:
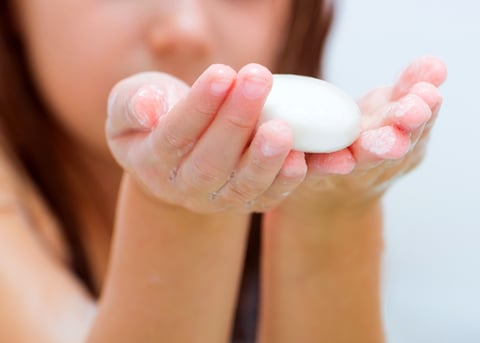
[{"x": 78, "y": 49}]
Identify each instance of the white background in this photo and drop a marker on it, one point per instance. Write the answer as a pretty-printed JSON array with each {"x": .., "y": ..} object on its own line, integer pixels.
[{"x": 432, "y": 258}]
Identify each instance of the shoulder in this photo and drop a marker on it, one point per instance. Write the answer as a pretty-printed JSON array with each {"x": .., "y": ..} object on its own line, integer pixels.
[
  {"x": 22, "y": 209},
  {"x": 37, "y": 288}
]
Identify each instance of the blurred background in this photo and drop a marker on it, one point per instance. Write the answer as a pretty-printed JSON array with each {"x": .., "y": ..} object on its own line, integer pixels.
[{"x": 431, "y": 278}]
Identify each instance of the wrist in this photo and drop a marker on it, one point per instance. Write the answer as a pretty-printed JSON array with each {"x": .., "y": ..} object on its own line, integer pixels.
[
  {"x": 328, "y": 208},
  {"x": 324, "y": 268},
  {"x": 326, "y": 236},
  {"x": 134, "y": 192}
]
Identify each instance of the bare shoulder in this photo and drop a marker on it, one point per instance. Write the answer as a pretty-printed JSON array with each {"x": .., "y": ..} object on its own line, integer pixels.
[
  {"x": 39, "y": 295},
  {"x": 20, "y": 199}
]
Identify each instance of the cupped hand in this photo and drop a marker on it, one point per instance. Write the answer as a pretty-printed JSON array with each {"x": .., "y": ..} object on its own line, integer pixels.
[
  {"x": 198, "y": 147},
  {"x": 396, "y": 123}
]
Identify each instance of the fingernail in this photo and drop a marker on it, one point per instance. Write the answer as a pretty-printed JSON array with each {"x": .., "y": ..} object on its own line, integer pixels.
[
  {"x": 148, "y": 104},
  {"x": 254, "y": 87},
  {"x": 220, "y": 86},
  {"x": 222, "y": 82}
]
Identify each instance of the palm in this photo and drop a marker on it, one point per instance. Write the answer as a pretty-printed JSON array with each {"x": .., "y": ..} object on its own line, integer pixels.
[{"x": 395, "y": 129}]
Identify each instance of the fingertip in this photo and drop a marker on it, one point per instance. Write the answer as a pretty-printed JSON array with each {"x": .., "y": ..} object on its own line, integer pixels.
[
  {"x": 429, "y": 93},
  {"x": 218, "y": 79},
  {"x": 255, "y": 69},
  {"x": 435, "y": 70},
  {"x": 255, "y": 81},
  {"x": 277, "y": 130},
  {"x": 147, "y": 105},
  {"x": 401, "y": 146},
  {"x": 411, "y": 113},
  {"x": 340, "y": 162},
  {"x": 387, "y": 142},
  {"x": 428, "y": 69},
  {"x": 136, "y": 102},
  {"x": 294, "y": 166}
]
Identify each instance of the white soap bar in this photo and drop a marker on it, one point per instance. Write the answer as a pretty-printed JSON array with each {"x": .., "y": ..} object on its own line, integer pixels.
[{"x": 322, "y": 117}]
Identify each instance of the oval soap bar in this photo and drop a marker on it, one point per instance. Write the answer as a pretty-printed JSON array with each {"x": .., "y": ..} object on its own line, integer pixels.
[{"x": 322, "y": 117}]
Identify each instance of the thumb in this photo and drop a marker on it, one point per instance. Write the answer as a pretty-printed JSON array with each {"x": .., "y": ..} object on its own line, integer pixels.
[
  {"x": 136, "y": 103},
  {"x": 134, "y": 106}
]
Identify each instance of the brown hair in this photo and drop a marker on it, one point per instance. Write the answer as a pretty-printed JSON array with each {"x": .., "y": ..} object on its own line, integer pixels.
[
  {"x": 302, "y": 54},
  {"x": 33, "y": 136},
  {"x": 309, "y": 27}
]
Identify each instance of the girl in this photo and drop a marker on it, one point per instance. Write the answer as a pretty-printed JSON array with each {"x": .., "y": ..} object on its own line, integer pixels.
[{"x": 148, "y": 245}]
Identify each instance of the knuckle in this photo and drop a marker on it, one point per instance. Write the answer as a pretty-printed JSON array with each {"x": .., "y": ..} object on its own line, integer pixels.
[
  {"x": 204, "y": 110},
  {"x": 261, "y": 164},
  {"x": 177, "y": 143},
  {"x": 246, "y": 190},
  {"x": 204, "y": 173},
  {"x": 290, "y": 178},
  {"x": 238, "y": 122}
]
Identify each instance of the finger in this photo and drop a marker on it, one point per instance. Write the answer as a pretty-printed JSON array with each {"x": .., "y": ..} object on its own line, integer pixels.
[
  {"x": 376, "y": 98},
  {"x": 291, "y": 175},
  {"x": 384, "y": 143},
  {"x": 134, "y": 107},
  {"x": 218, "y": 151},
  {"x": 426, "y": 69},
  {"x": 409, "y": 113},
  {"x": 178, "y": 131},
  {"x": 340, "y": 162},
  {"x": 414, "y": 113},
  {"x": 429, "y": 93},
  {"x": 431, "y": 96},
  {"x": 260, "y": 164},
  {"x": 135, "y": 103}
]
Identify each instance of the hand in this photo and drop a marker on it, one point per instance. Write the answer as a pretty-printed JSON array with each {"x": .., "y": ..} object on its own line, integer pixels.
[
  {"x": 396, "y": 124},
  {"x": 199, "y": 147}
]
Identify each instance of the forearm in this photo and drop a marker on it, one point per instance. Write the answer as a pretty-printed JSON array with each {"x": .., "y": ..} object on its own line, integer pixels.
[
  {"x": 320, "y": 277},
  {"x": 173, "y": 275}
]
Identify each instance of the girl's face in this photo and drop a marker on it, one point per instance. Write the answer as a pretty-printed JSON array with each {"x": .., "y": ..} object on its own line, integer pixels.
[{"x": 78, "y": 49}]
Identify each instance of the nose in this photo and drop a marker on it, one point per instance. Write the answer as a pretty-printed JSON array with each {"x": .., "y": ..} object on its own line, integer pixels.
[{"x": 180, "y": 29}]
